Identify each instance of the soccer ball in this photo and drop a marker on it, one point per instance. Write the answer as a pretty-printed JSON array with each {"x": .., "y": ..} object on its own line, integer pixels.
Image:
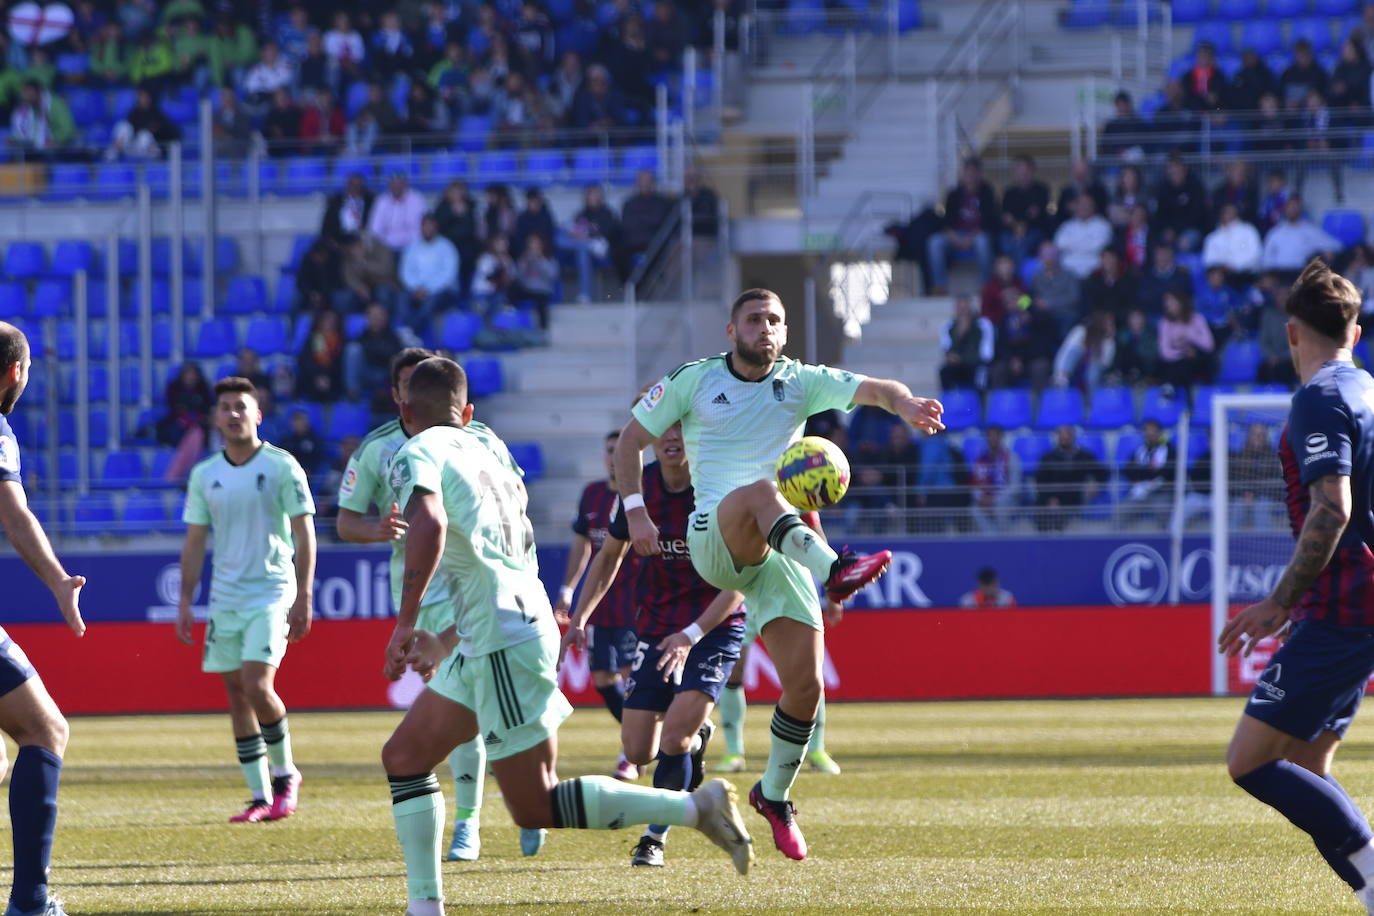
[{"x": 812, "y": 473}]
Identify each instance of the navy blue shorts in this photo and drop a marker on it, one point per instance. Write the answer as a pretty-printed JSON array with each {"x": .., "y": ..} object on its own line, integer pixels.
[
  {"x": 15, "y": 668},
  {"x": 611, "y": 648},
  {"x": 1315, "y": 682},
  {"x": 707, "y": 669}
]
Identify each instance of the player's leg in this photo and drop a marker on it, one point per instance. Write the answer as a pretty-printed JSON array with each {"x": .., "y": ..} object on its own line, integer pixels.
[
  {"x": 431, "y": 729},
  {"x": 259, "y": 676},
  {"x": 733, "y": 711},
  {"x": 1316, "y": 755},
  {"x": 468, "y": 765},
  {"x": 684, "y": 739},
  {"x": 639, "y": 735},
  {"x": 605, "y": 676},
  {"x": 31, "y": 718},
  {"x": 816, "y": 754},
  {"x": 251, "y": 749}
]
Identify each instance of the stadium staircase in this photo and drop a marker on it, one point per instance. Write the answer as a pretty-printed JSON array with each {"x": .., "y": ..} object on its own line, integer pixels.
[{"x": 902, "y": 341}]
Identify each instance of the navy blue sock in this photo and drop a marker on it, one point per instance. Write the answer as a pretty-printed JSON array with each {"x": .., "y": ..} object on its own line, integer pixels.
[
  {"x": 614, "y": 697},
  {"x": 1339, "y": 863},
  {"x": 674, "y": 771},
  {"x": 33, "y": 816},
  {"x": 1313, "y": 804}
]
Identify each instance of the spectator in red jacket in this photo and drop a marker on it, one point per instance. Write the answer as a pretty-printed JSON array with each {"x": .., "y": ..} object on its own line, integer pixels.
[
  {"x": 323, "y": 125},
  {"x": 1002, "y": 290}
]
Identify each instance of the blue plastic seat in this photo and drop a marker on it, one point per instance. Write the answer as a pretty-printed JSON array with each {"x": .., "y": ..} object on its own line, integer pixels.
[
  {"x": 299, "y": 246},
  {"x": 304, "y": 176},
  {"x": 215, "y": 337},
  {"x": 267, "y": 336},
  {"x": 144, "y": 512},
  {"x": 162, "y": 339},
  {"x": 473, "y": 132},
  {"x": 908, "y": 15},
  {"x": 157, "y": 468},
  {"x": 1186, "y": 11},
  {"x": 1334, "y": 8},
  {"x": 1009, "y": 408},
  {"x": 457, "y": 330},
  {"x": 354, "y": 325},
  {"x": 52, "y": 298},
  {"x": 1316, "y": 31},
  {"x": 349, "y": 419},
  {"x": 97, "y": 347},
  {"x": 226, "y": 255},
  {"x": 1087, "y": 14},
  {"x": 284, "y": 298},
  {"x": 1263, "y": 36},
  {"x": 24, "y": 260},
  {"x": 804, "y": 17},
  {"x": 1217, "y": 34},
  {"x": 14, "y": 300},
  {"x": 496, "y": 166},
  {"x": 121, "y": 469},
  {"x": 160, "y": 293},
  {"x": 355, "y": 97},
  {"x": 591, "y": 165},
  {"x": 67, "y": 181},
  {"x": 311, "y": 409},
  {"x": 1126, "y": 445},
  {"x": 87, "y": 106},
  {"x": 544, "y": 166},
  {"x": 94, "y": 514},
  {"x": 529, "y": 456},
  {"x": 1238, "y": 9},
  {"x": 1346, "y": 225},
  {"x": 346, "y": 166},
  {"x": 1285, "y": 9},
  {"x": 1110, "y": 408},
  {"x": 484, "y": 377},
  {"x": 114, "y": 180},
  {"x": 1059, "y": 406},
  {"x": 247, "y": 294},
  {"x": 1202, "y": 405},
  {"x": 71, "y": 255},
  {"x": 130, "y": 385},
  {"x": 637, "y": 159},
  {"x": 1030, "y": 449},
  {"x": 443, "y": 168},
  {"x": 1165, "y": 410},
  {"x": 1240, "y": 362},
  {"x": 963, "y": 409}
]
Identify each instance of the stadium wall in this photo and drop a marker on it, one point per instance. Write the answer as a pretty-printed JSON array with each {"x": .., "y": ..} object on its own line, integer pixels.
[{"x": 1091, "y": 624}]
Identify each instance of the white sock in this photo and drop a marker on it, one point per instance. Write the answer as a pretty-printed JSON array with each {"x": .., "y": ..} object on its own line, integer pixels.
[
  {"x": 696, "y": 744},
  {"x": 1363, "y": 860},
  {"x": 425, "y": 907},
  {"x": 795, "y": 540},
  {"x": 656, "y": 834},
  {"x": 691, "y": 815}
]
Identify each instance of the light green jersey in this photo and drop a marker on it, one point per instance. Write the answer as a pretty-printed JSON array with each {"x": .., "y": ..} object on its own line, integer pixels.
[
  {"x": 249, "y": 508},
  {"x": 367, "y": 483},
  {"x": 488, "y": 561},
  {"x": 735, "y": 429}
]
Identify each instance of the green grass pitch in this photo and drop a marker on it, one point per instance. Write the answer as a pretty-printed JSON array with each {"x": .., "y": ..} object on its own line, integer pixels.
[{"x": 988, "y": 807}]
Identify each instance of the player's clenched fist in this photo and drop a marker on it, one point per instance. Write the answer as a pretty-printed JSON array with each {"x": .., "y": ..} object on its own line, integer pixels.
[{"x": 643, "y": 533}]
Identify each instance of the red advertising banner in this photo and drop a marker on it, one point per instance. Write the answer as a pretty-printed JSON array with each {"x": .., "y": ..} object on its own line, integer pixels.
[{"x": 871, "y": 655}]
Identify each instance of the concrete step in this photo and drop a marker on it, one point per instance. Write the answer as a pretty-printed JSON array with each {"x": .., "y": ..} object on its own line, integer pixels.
[
  {"x": 585, "y": 377},
  {"x": 537, "y": 423}
]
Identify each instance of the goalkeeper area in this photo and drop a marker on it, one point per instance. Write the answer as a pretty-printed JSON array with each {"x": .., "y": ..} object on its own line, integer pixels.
[{"x": 1100, "y": 806}]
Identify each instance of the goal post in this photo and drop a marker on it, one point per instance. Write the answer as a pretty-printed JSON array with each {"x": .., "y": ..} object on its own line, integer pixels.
[{"x": 1251, "y": 538}]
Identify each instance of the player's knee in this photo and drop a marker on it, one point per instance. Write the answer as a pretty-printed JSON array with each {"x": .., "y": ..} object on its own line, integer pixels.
[
  {"x": 803, "y": 695},
  {"x": 673, "y": 742},
  {"x": 761, "y": 493},
  {"x": 397, "y": 758},
  {"x": 531, "y": 813},
  {"x": 49, "y": 731}
]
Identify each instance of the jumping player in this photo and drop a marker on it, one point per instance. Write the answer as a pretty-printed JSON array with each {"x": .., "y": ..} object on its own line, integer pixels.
[
  {"x": 611, "y": 637},
  {"x": 27, "y": 713},
  {"x": 1305, "y": 699},
  {"x": 689, "y": 638},
  {"x": 739, "y": 411},
  {"x": 256, "y": 500},
  {"x": 366, "y": 483},
  {"x": 494, "y": 670}
]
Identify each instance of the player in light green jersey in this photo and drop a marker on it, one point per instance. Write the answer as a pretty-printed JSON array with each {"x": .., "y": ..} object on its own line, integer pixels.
[
  {"x": 739, "y": 411},
  {"x": 255, "y": 499},
  {"x": 366, "y": 483},
  {"x": 494, "y": 671}
]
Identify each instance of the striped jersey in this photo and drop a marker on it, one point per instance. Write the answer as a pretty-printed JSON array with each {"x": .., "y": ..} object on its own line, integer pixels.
[
  {"x": 617, "y": 606},
  {"x": 671, "y": 593},
  {"x": 1330, "y": 431}
]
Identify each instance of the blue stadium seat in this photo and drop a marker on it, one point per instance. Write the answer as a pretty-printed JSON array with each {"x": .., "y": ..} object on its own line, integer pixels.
[
  {"x": 496, "y": 166},
  {"x": 473, "y": 132},
  {"x": 52, "y": 298},
  {"x": 162, "y": 339},
  {"x": 1334, "y": 8},
  {"x": 1202, "y": 405},
  {"x": 1346, "y": 225},
  {"x": 1316, "y": 31},
  {"x": 71, "y": 255},
  {"x": 67, "y": 181},
  {"x": 457, "y": 329},
  {"x": 1128, "y": 14},
  {"x": 122, "y": 103},
  {"x": 355, "y": 97},
  {"x": 1199, "y": 443},
  {"x": 97, "y": 301},
  {"x": 94, "y": 514},
  {"x": 14, "y": 300},
  {"x": 445, "y": 167},
  {"x": 1218, "y": 34},
  {"x": 529, "y": 456},
  {"x": 284, "y": 298},
  {"x": 1110, "y": 408},
  {"x": 963, "y": 409},
  {"x": 908, "y": 15},
  {"x": 160, "y": 255},
  {"x": 267, "y": 336},
  {"x": 24, "y": 260},
  {"x": 68, "y": 469},
  {"x": 591, "y": 165},
  {"x": 561, "y": 11},
  {"x": 484, "y": 376},
  {"x": 1009, "y": 408},
  {"x": 299, "y": 246},
  {"x": 114, "y": 180},
  {"x": 215, "y": 337},
  {"x": 804, "y": 17},
  {"x": 1240, "y": 362},
  {"x": 1087, "y": 14},
  {"x": 354, "y": 325},
  {"x": 98, "y": 425},
  {"x": 87, "y": 106},
  {"x": 635, "y": 160},
  {"x": 311, "y": 409},
  {"x": 157, "y": 468},
  {"x": 144, "y": 512},
  {"x": 345, "y": 166},
  {"x": 1285, "y": 9},
  {"x": 1156, "y": 406},
  {"x": 544, "y": 166},
  {"x": 231, "y": 178},
  {"x": 130, "y": 385},
  {"x": 1030, "y": 449},
  {"x": 349, "y": 419},
  {"x": 1059, "y": 406},
  {"x": 269, "y": 177},
  {"x": 1126, "y": 444},
  {"x": 247, "y": 294},
  {"x": 1263, "y": 36},
  {"x": 97, "y": 344},
  {"x": 160, "y": 293},
  {"x": 121, "y": 469},
  {"x": 973, "y": 448},
  {"x": 1186, "y": 11},
  {"x": 1238, "y": 9},
  {"x": 409, "y": 166},
  {"x": 305, "y": 176}
]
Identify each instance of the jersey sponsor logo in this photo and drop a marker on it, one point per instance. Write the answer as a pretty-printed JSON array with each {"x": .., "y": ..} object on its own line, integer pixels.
[
  {"x": 9, "y": 454},
  {"x": 1319, "y": 456},
  {"x": 1316, "y": 443},
  {"x": 1267, "y": 689},
  {"x": 493, "y": 738},
  {"x": 673, "y": 548},
  {"x": 720, "y": 399},
  {"x": 350, "y": 482},
  {"x": 651, "y": 399},
  {"x": 777, "y": 389}
]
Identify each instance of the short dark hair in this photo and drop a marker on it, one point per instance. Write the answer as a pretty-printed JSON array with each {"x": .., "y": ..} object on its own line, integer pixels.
[
  {"x": 439, "y": 379},
  {"x": 613, "y": 434},
  {"x": 14, "y": 346},
  {"x": 1324, "y": 301},
  {"x": 987, "y": 575},
  {"x": 235, "y": 384},
  {"x": 1124, "y": 96},
  {"x": 410, "y": 356},
  {"x": 752, "y": 295}
]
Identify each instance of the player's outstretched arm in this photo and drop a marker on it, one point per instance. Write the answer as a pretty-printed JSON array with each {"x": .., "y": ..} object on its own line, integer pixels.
[
  {"x": 1326, "y": 521},
  {"x": 896, "y": 398},
  {"x": 578, "y": 553},
  {"x": 675, "y": 648},
  {"x": 298, "y": 619},
  {"x": 192, "y": 563},
  {"x": 29, "y": 539},
  {"x": 599, "y": 578},
  {"x": 357, "y": 528},
  {"x": 424, "y": 546},
  {"x": 629, "y": 480}
]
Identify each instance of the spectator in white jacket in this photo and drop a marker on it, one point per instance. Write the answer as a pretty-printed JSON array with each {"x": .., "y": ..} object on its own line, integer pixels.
[
  {"x": 429, "y": 274},
  {"x": 1080, "y": 240},
  {"x": 1292, "y": 243},
  {"x": 396, "y": 215},
  {"x": 1234, "y": 244}
]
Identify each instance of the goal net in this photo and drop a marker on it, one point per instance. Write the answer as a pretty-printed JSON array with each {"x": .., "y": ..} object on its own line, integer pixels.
[{"x": 1251, "y": 536}]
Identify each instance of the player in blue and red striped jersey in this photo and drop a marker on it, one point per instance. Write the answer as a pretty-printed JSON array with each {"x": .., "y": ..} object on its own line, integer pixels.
[
  {"x": 611, "y": 635},
  {"x": 1305, "y": 699},
  {"x": 690, "y": 635}
]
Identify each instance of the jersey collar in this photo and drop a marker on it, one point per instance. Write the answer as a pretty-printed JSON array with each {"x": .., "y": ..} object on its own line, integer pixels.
[
  {"x": 730, "y": 365},
  {"x": 229, "y": 461}
]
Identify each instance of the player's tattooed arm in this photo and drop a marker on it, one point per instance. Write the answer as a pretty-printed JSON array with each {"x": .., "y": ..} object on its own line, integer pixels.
[
  {"x": 1326, "y": 522},
  {"x": 424, "y": 545}
]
